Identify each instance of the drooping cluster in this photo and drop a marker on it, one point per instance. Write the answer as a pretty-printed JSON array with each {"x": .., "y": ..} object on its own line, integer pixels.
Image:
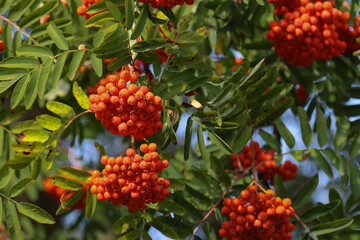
[
  {"x": 85, "y": 5},
  {"x": 308, "y": 32},
  {"x": 126, "y": 108},
  {"x": 131, "y": 180},
  {"x": 56, "y": 193},
  {"x": 166, "y": 3},
  {"x": 2, "y": 44},
  {"x": 257, "y": 215},
  {"x": 265, "y": 162},
  {"x": 350, "y": 35}
]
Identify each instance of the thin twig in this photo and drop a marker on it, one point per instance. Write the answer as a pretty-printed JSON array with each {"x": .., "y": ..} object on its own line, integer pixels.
[
  {"x": 11, "y": 133},
  {"x": 19, "y": 28},
  {"x": 77, "y": 116},
  {"x": 217, "y": 203},
  {"x": 167, "y": 60},
  {"x": 305, "y": 226}
]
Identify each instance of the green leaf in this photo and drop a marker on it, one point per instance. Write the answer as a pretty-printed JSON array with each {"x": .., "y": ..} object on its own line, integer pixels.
[
  {"x": 34, "y": 51},
  {"x": 115, "y": 12},
  {"x": 19, "y": 9},
  {"x": 176, "y": 184},
  {"x": 209, "y": 113},
  {"x": 65, "y": 183},
  {"x": 49, "y": 122},
  {"x": 34, "y": 212},
  {"x": 57, "y": 36},
  {"x": 20, "y": 187},
  {"x": 60, "y": 109},
  {"x": 163, "y": 228},
  {"x": 242, "y": 139},
  {"x": 12, "y": 220},
  {"x": 168, "y": 206},
  {"x": 167, "y": 11},
  {"x": 5, "y": 85},
  {"x": 71, "y": 201},
  {"x": 100, "y": 148},
  {"x": 36, "y": 136},
  {"x": 59, "y": 66},
  {"x": 133, "y": 235},
  {"x": 122, "y": 224},
  {"x": 19, "y": 62},
  {"x": 305, "y": 192},
  {"x": 80, "y": 96},
  {"x": 354, "y": 180},
  {"x": 271, "y": 141},
  {"x": 7, "y": 37},
  {"x": 306, "y": 132},
  {"x": 35, "y": 15},
  {"x": 76, "y": 174},
  {"x": 43, "y": 80},
  {"x": 279, "y": 187},
  {"x": 129, "y": 13},
  {"x": 204, "y": 152},
  {"x": 12, "y": 73},
  {"x": 31, "y": 91},
  {"x": 188, "y": 137},
  {"x": 97, "y": 64},
  {"x": 321, "y": 161},
  {"x": 19, "y": 91},
  {"x": 330, "y": 227},
  {"x": 35, "y": 172},
  {"x": 6, "y": 173},
  {"x": 343, "y": 127},
  {"x": 99, "y": 19},
  {"x": 40, "y": 30},
  {"x": 90, "y": 203},
  {"x": 119, "y": 62},
  {"x": 1, "y": 210},
  {"x": 319, "y": 211},
  {"x": 220, "y": 143},
  {"x": 321, "y": 128},
  {"x": 285, "y": 133},
  {"x": 75, "y": 64},
  {"x": 19, "y": 162},
  {"x": 354, "y": 150},
  {"x": 209, "y": 231},
  {"x": 149, "y": 45},
  {"x": 140, "y": 23}
]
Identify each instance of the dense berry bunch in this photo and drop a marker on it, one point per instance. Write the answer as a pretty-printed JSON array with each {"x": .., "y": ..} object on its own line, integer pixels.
[
  {"x": 83, "y": 8},
  {"x": 309, "y": 33},
  {"x": 166, "y": 3},
  {"x": 56, "y": 194},
  {"x": 301, "y": 93},
  {"x": 350, "y": 34},
  {"x": 131, "y": 180},
  {"x": 284, "y": 6},
  {"x": 257, "y": 216},
  {"x": 2, "y": 44},
  {"x": 128, "y": 110},
  {"x": 266, "y": 162}
]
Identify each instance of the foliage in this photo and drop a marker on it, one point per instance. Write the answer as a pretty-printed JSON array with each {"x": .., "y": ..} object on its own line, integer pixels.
[{"x": 213, "y": 108}]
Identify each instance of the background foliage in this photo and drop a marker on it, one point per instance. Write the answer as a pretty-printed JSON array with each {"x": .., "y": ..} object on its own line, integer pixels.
[{"x": 43, "y": 126}]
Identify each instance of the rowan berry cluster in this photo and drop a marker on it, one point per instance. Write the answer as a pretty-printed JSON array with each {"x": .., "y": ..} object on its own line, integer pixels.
[
  {"x": 128, "y": 110},
  {"x": 83, "y": 8},
  {"x": 309, "y": 32},
  {"x": 257, "y": 216},
  {"x": 166, "y": 3},
  {"x": 265, "y": 162},
  {"x": 2, "y": 44},
  {"x": 131, "y": 180},
  {"x": 350, "y": 35},
  {"x": 301, "y": 93},
  {"x": 56, "y": 194}
]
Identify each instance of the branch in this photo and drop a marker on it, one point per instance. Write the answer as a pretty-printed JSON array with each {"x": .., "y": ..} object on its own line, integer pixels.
[
  {"x": 19, "y": 28},
  {"x": 11, "y": 133},
  {"x": 218, "y": 202}
]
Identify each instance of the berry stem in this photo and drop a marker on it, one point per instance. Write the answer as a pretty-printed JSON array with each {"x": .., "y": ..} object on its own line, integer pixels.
[
  {"x": 218, "y": 202},
  {"x": 305, "y": 226},
  {"x": 11, "y": 133},
  {"x": 168, "y": 58},
  {"x": 19, "y": 28}
]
